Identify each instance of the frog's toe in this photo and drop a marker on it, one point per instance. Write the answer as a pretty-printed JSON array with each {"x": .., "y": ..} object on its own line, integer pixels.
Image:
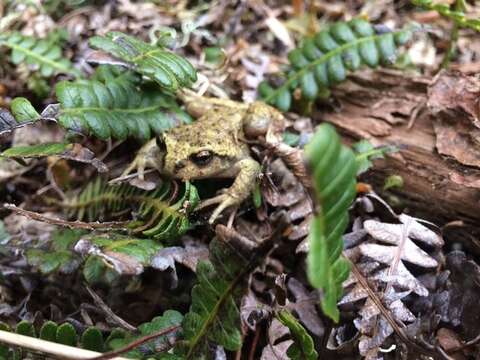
[
  {"x": 139, "y": 165},
  {"x": 223, "y": 200}
]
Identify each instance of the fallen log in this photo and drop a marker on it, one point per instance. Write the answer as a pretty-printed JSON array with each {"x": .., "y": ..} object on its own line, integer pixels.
[{"x": 434, "y": 122}]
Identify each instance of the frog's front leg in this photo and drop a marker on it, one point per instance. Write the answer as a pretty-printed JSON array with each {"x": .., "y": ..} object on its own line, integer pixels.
[
  {"x": 241, "y": 188},
  {"x": 148, "y": 156}
]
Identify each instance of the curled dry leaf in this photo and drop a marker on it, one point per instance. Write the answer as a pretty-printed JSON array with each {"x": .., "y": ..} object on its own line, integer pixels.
[
  {"x": 188, "y": 256},
  {"x": 121, "y": 262}
]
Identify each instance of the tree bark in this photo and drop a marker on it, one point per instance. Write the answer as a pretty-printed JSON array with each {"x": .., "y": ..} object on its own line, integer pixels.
[{"x": 433, "y": 122}]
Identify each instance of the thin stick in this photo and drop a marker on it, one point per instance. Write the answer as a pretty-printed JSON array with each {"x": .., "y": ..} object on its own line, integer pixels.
[
  {"x": 47, "y": 347},
  {"x": 134, "y": 344},
  {"x": 70, "y": 224}
]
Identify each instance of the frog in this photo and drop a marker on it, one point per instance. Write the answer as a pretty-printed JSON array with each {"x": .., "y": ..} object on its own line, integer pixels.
[{"x": 215, "y": 145}]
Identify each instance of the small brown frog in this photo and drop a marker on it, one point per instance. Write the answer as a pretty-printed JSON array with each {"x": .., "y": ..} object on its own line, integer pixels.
[{"x": 213, "y": 146}]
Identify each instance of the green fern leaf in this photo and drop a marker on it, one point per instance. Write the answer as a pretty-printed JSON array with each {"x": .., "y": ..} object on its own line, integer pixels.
[
  {"x": 117, "y": 255},
  {"x": 325, "y": 59},
  {"x": 458, "y": 17},
  {"x": 26, "y": 328},
  {"x": 159, "y": 216},
  {"x": 66, "y": 335},
  {"x": 303, "y": 347},
  {"x": 169, "y": 319},
  {"x": 92, "y": 339},
  {"x": 45, "y": 54},
  {"x": 169, "y": 70},
  {"x": 111, "y": 104},
  {"x": 214, "y": 314},
  {"x": 48, "y": 331},
  {"x": 334, "y": 170}
]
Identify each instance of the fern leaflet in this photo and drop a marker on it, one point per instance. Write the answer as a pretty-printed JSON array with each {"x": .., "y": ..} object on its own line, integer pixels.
[
  {"x": 45, "y": 54},
  {"x": 323, "y": 60},
  {"x": 169, "y": 70},
  {"x": 111, "y": 104},
  {"x": 334, "y": 169},
  {"x": 162, "y": 214}
]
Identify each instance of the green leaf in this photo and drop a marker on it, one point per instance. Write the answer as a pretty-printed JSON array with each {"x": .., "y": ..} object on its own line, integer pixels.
[
  {"x": 365, "y": 152},
  {"x": 334, "y": 169},
  {"x": 4, "y": 349},
  {"x": 459, "y": 17},
  {"x": 66, "y": 335},
  {"x": 393, "y": 181},
  {"x": 214, "y": 54},
  {"x": 23, "y": 111},
  {"x": 35, "y": 151},
  {"x": 48, "y": 331},
  {"x": 162, "y": 214},
  {"x": 214, "y": 314},
  {"x": 26, "y": 328},
  {"x": 169, "y": 70},
  {"x": 92, "y": 339},
  {"x": 58, "y": 255},
  {"x": 324, "y": 60},
  {"x": 45, "y": 54},
  {"x": 169, "y": 319},
  {"x": 303, "y": 347},
  {"x": 112, "y": 104},
  {"x": 119, "y": 255}
]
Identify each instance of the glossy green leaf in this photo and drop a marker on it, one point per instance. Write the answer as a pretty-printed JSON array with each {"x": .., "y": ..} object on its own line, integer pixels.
[
  {"x": 92, "y": 339},
  {"x": 214, "y": 313},
  {"x": 303, "y": 347},
  {"x": 26, "y": 328},
  {"x": 325, "y": 59},
  {"x": 4, "y": 349},
  {"x": 67, "y": 335},
  {"x": 169, "y": 70},
  {"x": 159, "y": 215},
  {"x": 170, "y": 319},
  {"x": 48, "y": 331},
  {"x": 445, "y": 10},
  {"x": 23, "y": 110},
  {"x": 35, "y": 151},
  {"x": 334, "y": 171},
  {"x": 113, "y": 105},
  {"x": 45, "y": 54}
]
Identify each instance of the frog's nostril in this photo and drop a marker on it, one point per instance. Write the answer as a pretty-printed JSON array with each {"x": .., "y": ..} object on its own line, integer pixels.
[{"x": 179, "y": 165}]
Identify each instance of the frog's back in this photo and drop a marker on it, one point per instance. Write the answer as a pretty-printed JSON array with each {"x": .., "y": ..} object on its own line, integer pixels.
[{"x": 219, "y": 129}]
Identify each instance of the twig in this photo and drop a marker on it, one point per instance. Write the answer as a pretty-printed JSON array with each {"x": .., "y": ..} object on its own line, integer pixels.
[
  {"x": 112, "y": 354},
  {"x": 109, "y": 313},
  {"x": 47, "y": 347},
  {"x": 70, "y": 224}
]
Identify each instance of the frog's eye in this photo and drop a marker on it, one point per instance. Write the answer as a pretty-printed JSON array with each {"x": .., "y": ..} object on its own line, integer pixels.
[
  {"x": 160, "y": 140},
  {"x": 202, "y": 158}
]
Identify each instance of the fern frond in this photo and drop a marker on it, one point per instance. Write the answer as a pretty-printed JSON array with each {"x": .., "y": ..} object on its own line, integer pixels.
[
  {"x": 168, "y": 69},
  {"x": 92, "y": 338},
  {"x": 44, "y": 54},
  {"x": 334, "y": 170},
  {"x": 458, "y": 17},
  {"x": 324, "y": 60},
  {"x": 111, "y": 104},
  {"x": 214, "y": 315},
  {"x": 303, "y": 347},
  {"x": 161, "y": 213}
]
